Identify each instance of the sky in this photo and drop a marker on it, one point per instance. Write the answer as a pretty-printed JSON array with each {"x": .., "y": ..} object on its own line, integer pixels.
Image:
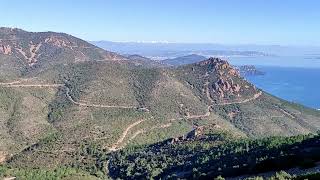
[{"x": 277, "y": 22}]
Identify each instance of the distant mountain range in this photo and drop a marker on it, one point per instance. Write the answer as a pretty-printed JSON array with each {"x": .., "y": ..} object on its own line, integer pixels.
[{"x": 161, "y": 51}]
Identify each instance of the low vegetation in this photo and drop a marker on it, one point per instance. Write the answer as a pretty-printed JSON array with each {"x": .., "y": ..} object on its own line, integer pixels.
[
  {"x": 216, "y": 155},
  {"x": 97, "y": 102}
]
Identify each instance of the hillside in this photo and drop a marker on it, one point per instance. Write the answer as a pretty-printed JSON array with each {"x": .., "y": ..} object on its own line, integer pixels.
[
  {"x": 210, "y": 155},
  {"x": 59, "y": 109},
  {"x": 35, "y": 50},
  {"x": 189, "y": 59}
]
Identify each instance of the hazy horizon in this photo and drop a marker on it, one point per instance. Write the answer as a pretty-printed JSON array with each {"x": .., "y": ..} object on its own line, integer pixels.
[
  {"x": 286, "y": 23},
  {"x": 210, "y": 43}
]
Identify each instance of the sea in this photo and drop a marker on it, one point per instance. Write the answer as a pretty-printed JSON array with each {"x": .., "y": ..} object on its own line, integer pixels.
[{"x": 295, "y": 79}]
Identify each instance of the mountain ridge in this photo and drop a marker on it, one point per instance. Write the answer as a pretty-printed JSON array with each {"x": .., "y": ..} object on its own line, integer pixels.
[
  {"x": 31, "y": 46},
  {"x": 59, "y": 114}
]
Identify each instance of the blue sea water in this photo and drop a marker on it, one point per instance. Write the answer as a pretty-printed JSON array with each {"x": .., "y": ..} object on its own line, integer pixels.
[
  {"x": 299, "y": 83},
  {"x": 279, "y": 61}
]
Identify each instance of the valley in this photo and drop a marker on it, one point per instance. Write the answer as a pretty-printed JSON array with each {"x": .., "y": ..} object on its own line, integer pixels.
[{"x": 68, "y": 106}]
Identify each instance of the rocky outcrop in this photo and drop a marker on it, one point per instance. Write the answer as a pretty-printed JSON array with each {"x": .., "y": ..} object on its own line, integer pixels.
[
  {"x": 222, "y": 87},
  {"x": 3, "y": 156},
  {"x": 224, "y": 81},
  {"x": 56, "y": 41},
  {"x": 220, "y": 66},
  {"x": 5, "y": 49},
  {"x": 215, "y": 63},
  {"x": 198, "y": 132}
]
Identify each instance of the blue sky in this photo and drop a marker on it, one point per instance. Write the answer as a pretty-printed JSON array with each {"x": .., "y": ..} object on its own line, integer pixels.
[{"x": 284, "y": 22}]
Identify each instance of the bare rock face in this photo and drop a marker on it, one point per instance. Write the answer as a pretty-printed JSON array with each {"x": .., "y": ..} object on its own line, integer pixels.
[
  {"x": 5, "y": 49},
  {"x": 236, "y": 88},
  {"x": 33, "y": 47},
  {"x": 224, "y": 81},
  {"x": 210, "y": 61},
  {"x": 220, "y": 66},
  {"x": 216, "y": 63},
  {"x": 222, "y": 87},
  {"x": 56, "y": 41},
  {"x": 2, "y": 157},
  {"x": 233, "y": 72}
]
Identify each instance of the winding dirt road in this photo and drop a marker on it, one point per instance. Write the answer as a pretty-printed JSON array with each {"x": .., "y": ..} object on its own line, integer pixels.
[
  {"x": 114, "y": 147},
  {"x": 33, "y": 85},
  {"x": 16, "y": 84},
  {"x": 206, "y": 85},
  {"x": 142, "y": 131},
  {"x": 207, "y": 114},
  {"x": 256, "y": 96},
  {"x": 9, "y": 83},
  {"x": 117, "y": 146},
  {"x": 96, "y": 105}
]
